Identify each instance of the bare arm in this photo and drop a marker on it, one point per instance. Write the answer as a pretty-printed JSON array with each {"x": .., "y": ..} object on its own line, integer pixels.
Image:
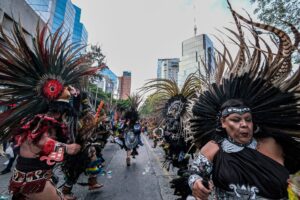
[{"x": 48, "y": 145}]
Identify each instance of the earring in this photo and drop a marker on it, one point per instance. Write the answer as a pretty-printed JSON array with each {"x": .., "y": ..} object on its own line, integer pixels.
[
  {"x": 257, "y": 129},
  {"x": 219, "y": 129}
]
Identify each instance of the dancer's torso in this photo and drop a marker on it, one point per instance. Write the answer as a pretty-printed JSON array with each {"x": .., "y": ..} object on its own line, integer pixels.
[{"x": 247, "y": 173}]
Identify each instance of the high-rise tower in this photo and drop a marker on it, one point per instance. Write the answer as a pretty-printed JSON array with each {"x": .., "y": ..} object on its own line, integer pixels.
[{"x": 196, "y": 52}]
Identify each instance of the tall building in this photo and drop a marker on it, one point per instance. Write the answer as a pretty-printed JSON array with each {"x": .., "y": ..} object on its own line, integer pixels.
[
  {"x": 15, "y": 11},
  {"x": 125, "y": 85},
  {"x": 63, "y": 13},
  {"x": 79, "y": 32},
  {"x": 109, "y": 82},
  {"x": 168, "y": 68},
  {"x": 43, "y": 8},
  {"x": 196, "y": 52}
]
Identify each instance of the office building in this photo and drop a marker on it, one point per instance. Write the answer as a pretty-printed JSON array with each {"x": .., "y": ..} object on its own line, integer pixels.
[
  {"x": 64, "y": 14},
  {"x": 79, "y": 32},
  {"x": 14, "y": 10},
  {"x": 125, "y": 85},
  {"x": 168, "y": 68},
  {"x": 197, "y": 52},
  {"x": 109, "y": 82}
]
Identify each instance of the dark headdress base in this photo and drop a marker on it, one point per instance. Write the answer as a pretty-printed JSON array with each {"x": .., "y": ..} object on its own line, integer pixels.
[{"x": 61, "y": 107}]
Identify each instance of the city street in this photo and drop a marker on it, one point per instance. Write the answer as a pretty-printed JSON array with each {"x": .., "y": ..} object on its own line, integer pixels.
[
  {"x": 215, "y": 83},
  {"x": 144, "y": 179}
]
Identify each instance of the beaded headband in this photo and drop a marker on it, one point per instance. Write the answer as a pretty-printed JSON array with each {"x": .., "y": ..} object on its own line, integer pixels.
[{"x": 238, "y": 110}]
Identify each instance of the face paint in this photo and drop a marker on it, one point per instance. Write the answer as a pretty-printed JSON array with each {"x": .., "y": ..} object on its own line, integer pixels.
[{"x": 239, "y": 127}]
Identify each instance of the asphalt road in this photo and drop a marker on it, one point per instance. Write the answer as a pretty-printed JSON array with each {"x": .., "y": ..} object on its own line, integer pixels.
[{"x": 145, "y": 179}]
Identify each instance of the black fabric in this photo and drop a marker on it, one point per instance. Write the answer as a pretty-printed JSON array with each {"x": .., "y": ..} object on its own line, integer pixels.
[
  {"x": 31, "y": 164},
  {"x": 61, "y": 107},
  {"x": 250, "y": 168},
  {"x": 290, "y": 147}
]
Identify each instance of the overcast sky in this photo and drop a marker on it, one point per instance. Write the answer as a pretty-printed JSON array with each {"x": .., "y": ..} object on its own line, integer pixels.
[{"x": 133, "y": 34}]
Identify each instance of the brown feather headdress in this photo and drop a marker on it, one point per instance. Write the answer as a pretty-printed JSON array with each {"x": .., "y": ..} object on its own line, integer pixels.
[
  {"x": 169, "y": 92},
  {"x": 262, "y": 79}
]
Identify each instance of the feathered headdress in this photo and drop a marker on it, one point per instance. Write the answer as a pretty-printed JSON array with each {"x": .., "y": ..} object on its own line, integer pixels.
[
  {"x": 169, "y": 92},
  {"x": 262, "y": 79},
  {"x": 34, "y": 73},
  {"x": 132, "y": 112}
]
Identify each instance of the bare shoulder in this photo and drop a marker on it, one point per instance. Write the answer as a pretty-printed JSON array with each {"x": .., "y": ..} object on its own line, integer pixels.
[
  {"x": 210, "y": 149},
  {"x": 269, "y": 147},
  {"x": 268, "y": 142}
]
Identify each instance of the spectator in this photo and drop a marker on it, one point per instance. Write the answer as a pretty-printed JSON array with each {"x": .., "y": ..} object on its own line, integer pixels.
[{"x": 11, "y": 153}]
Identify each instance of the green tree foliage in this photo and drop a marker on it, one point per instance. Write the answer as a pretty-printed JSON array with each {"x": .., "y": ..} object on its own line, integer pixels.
[
  {"x": 96, "y": 56},
  {"x": 150, "y": 105},
  {"x": 278, "y": 12},
  {"x": 122, "y": 104},
  {"x": 119, "y": 104},
  {"x": 275, "y": 12},
  {"x": 100, "y": 94}
]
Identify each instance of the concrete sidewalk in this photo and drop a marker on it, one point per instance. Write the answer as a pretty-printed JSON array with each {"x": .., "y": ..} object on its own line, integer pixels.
[{"x": 4, "y": 179}]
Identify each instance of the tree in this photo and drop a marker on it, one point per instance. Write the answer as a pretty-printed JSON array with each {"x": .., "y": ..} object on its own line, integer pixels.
[
  {"x": 122, "y": 105},
  {"x": 151, "y": 105},
  {"x": 94, "y": 92},
  {"x": 277, "y": 12},
  {"x": 96, "y": 55}
]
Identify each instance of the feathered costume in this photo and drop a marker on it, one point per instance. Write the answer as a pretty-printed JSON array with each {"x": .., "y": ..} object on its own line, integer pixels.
[
  {"x": 130, "y": 129},
  {"x": 173, "y": 106},
  {"x": 36, "y": 75},
  {"x": 92, "y": 139},
  {"x": 265, "y": 82}
]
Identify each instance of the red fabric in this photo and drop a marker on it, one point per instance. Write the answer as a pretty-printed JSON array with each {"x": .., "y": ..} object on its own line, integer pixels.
[
  {"x": 54, "y": 157},
  {"x": 49, "y": 146},
  {"x": 28, "y": 183},
  {"x": 52, "y": 88},
  {"x": 40, "y": 128}
]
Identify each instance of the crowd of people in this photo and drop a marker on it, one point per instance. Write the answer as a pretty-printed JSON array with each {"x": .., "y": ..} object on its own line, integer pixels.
[{"x": 232, "y": 133}]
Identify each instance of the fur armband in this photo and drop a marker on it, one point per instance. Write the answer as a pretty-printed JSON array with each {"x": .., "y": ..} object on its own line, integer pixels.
[
  {"x": 202, "y": 168},
  {"x": 53, "y": 151}
]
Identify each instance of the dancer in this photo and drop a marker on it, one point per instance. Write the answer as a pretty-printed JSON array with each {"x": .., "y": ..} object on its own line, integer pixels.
[
  {"x": 130, "y": 130},
  {"x": 38, "y": 75},
  {"x": 173, "y": 106},
  {"x": 245, "y": 123},
  {"x": 90, "y": 155}
]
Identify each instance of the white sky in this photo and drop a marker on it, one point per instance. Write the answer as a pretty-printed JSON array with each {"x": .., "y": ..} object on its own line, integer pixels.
[{"x": 133, "y": 34}]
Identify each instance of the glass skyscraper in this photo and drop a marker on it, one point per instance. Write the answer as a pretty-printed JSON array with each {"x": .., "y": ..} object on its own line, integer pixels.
[
  {"x": 61, "y": 13},
  {"x": 111, "y": 78},
  {"x": 196, "y": 52},
  {"x": 42, "y": 8},
  {"x": 64, "y": 15},
  {"x": 79, "y": 32},
  {"x": 168, "y": 68}
]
